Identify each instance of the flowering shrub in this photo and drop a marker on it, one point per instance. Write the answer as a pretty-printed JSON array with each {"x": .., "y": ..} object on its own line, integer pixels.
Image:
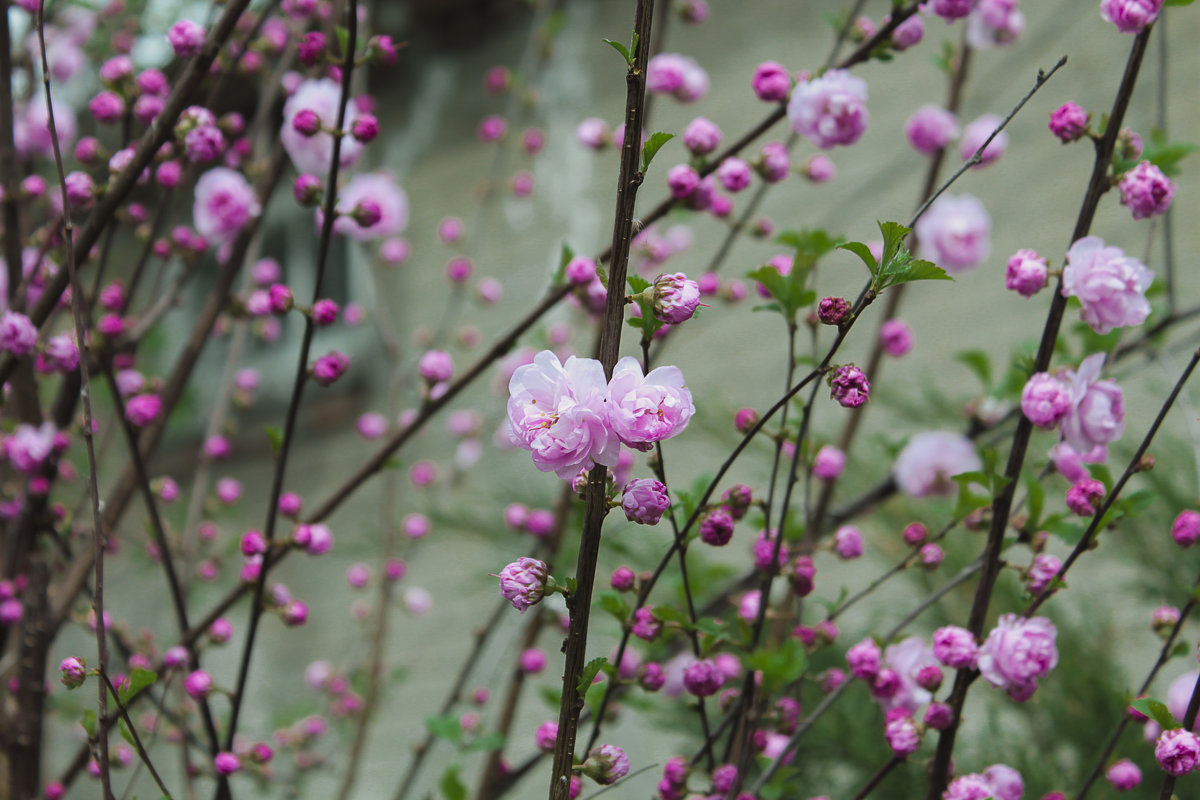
[{"x": 825, "y": 565}]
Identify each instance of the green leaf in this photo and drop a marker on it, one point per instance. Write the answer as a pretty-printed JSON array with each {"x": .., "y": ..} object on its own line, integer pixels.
[
  {"x": 637, "y": 284},
  {"x": 451, "y": 787},
  {"x": 622, "y": 49},
  {"x": 445, "y": 727},
  {"x": 1035, "y": 499},
  {"x": 1064, "y": 527},
  {"x": 343, "y": 37},
  {"x": 614, "y": 604},
  {"x": 780, "y": 665},
  {"x": 589, "y": 675},
  {"x": 652, "y": 146},
  {"x": 124, "y": 730},
  {"x": 978, "y": 362},
  {"x": 862, "y": 251},
  {"x": 564, "y": 258},
  {"x": 89, "y": 723},
  {"x": 670, "y": 614},
  {"x": 139, "y": 679},
  {"x": 489, "y": 741},
  {"x": 1178, "y": 2},
  {"x": 1156, "y": 710},
  {"x": 274, "y": 436},
  {"x": 816, "y": 242}
]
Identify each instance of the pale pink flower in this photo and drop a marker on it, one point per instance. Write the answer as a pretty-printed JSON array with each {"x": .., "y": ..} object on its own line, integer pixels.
[
  {"x": 1018, "y": 652},
  {"x": 1146, "y": 191},
  {"x": 225, "y": 202},
  {"x": 315, "y": 154},
  {"x": 1130, "y": 16},
  {"x": 830, "y": 110},
  {"x": 1097, "y": 414},
  {"x": 556, "y": 411},
  {"x": 929, "y": 460},
  {"x": 641, "y": 409},
  {"x": 955, "y": 233},
  {"x": 381, "y": 189},
  {"x": 1110, "y": 285}
]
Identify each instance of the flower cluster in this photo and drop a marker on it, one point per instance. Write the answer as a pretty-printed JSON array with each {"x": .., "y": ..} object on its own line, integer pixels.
[{"x": 570, "y": 418}]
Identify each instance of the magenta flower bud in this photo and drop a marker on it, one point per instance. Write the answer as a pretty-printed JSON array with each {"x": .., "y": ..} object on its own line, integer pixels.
[
  {"x": 324, "y": 312},
  {"x": 1123, "y": 775},
  {"x": 886, "y": 684},
  {"x": 532, "y": 661},
  {"x": 328, "y": 368},
  {"x": 81, "y": 190},
  {"x": 1146, "y": 191},
  {"x": 645, "y": 626},
  {"x": 1084, "y": 497},
  {"x": 938, "y": 716},
  {"x": 367, "y": 213},
  {"x": 651, "y": 677},
  {"x": 228, "y": 490},
  {"x": 365, "y": 128},
  {"x": 703, "y": 678},
  {"x": 143, "y": 409},
  {"x": 931, "y": 555},
  {"x": 645, "y": 501},
  {"x": 896, "y": 337},
  {"x": 54, "y": 791},
  {"x": 186, "y": 38},
  {"x": 774, "y": 162},
  {"x": 1186, "y": 528},
  {"x": 492, "y": 128},
  {"x": 902, "y": 735},
  {"x": 929, "y": 678},
  {"x": 744, "y": 419},
  {"x": 525, "y": 582},
  {"x": 830, "y": 110},
  {"x": 908, "y": 33},
  {"x": 833, "y": 310},
  {"x": 737, "y": 500},
  {"x": 546, "y": 736},
  {"x": 220, "y": 631},
  {"x": 734, "y": 174},
  {"x": 1164, "y": 618},
  {"x": 865, "y": 660},
  {"x": 87, "y": 149},
  {"x": 459, "y": 269},
  {"x": 1046, "y": 400},
  {"x": 1069, "y": 122},
  {"x": 1026, "y": 273},
  {"x": 198, "y": 684},
  {"x": 829, "y": 463},
  {"x": 950, "y": 10},
  {"x": 976, "y": 133},
  {"x": 294, "y": 613},
  {"x": 849, "y": 386},
  {"x": 226, "y": 763},
  {"x": 382, "y": 51},
  {"x": 1177, "y": 751},
  {"x": 306, "y": 122},
  {"x": 682, "y": 180},
  {"x": 580, "y": 271},
  {"x": 1041, "y": 572},
  {"x": 533, "y": 140},
  {"x": 1130, "y": 16},
  {"x": 955, "y": 647},
  {"x": 724, "y": 778},
  {"x": 622, "y": 579},
  {"x": 436, "y": 366},
  {"x": 771, "y": 82},
  {"x": 307, "y": 190},
  {"x": 74, "y": 672},
  {"x": 716, "y": 527},
  {"x": 701, "y": 136},
  {"x": 818, "y": 168},
  {"x": 311, "y": 48},
  {"x": 416, "y": 526},
  {"x": 848, "y": 543},
  {"x": 606, "y": 764},
  {"x": 931, "y": 128},
  {"x": 175, "y": 657},
  {"x": 290, "y": 504},
  {"x": 281, "y": 298},
  {"x": 394, "y": 569},
  {"x": 253, "y": 543},
  {"x": 17, "y": 333},
  {"x": 593, "y": 133},
  {"x": 804, "y": 574}
]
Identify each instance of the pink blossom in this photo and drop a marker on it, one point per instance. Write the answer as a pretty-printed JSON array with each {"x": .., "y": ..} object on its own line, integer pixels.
[
  {"x": 641, "y": 409},
  {"x": 896, "y": 337},
  {"x": 225, "y": 203},
  {"x": 1097, "y": 414},
  {"x": 1110, "y": 285},
  {"x": 29, "y": 447},
  {"x": 524, "y": 582},
  {"x": 847, "y": 542},
  {"x": 955, "y": 233},
  {"x": 976, "y": 133},
  {"x": 1026, "y": 273},
  {"x": 1146, "y": 191},
  {"x": 1069, "y": 122},
  {"x": 1177, "y": 751},
  {"x": 902, "y": 735},
  {"x": 1005, "y": 781},
  {"x": 930, "y": 459},
  {"x": 1084, "y": 497},
  {"x": 186, "y": 38},
  {"x": 955, "y": 647},
  {"x": 314, "y": 154},
  {"x": 908, "y": 33},
  {"x": 645, "y": 501},
  {"x": 771, "y": 82},
  {"x": 701, "y": 136},
  {"x": 1043, "y": 570},
  {"x": 994, "y": 22},
  {"x": 949, "y": 10},
  {"x": 379, "y": 188},
  {"x": 593, "y": 132},
  {"x": 829, "y": 462},
  {"x": 864, "y": 660},
  {"x": 830, "y": 110},
  {"x": 676, "y": 298},
  {"x": 1046, "y": 400},
  {"x": 1018, "y": 652},
  {"x": 908, "y": 658},
  {"x": 1130, "y": 16},
  {"x": 556, "y": 411},
  {"x": 969, "y": 787},
  {"x": 143, "y": 409},
  {"x": 1123, "y": 775},
  {"x": 17, "y": 333},
  {"x": 703, "y": 678}
]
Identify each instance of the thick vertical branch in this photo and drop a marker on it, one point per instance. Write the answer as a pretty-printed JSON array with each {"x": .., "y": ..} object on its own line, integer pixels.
[{"x": 579, "y": 604}]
